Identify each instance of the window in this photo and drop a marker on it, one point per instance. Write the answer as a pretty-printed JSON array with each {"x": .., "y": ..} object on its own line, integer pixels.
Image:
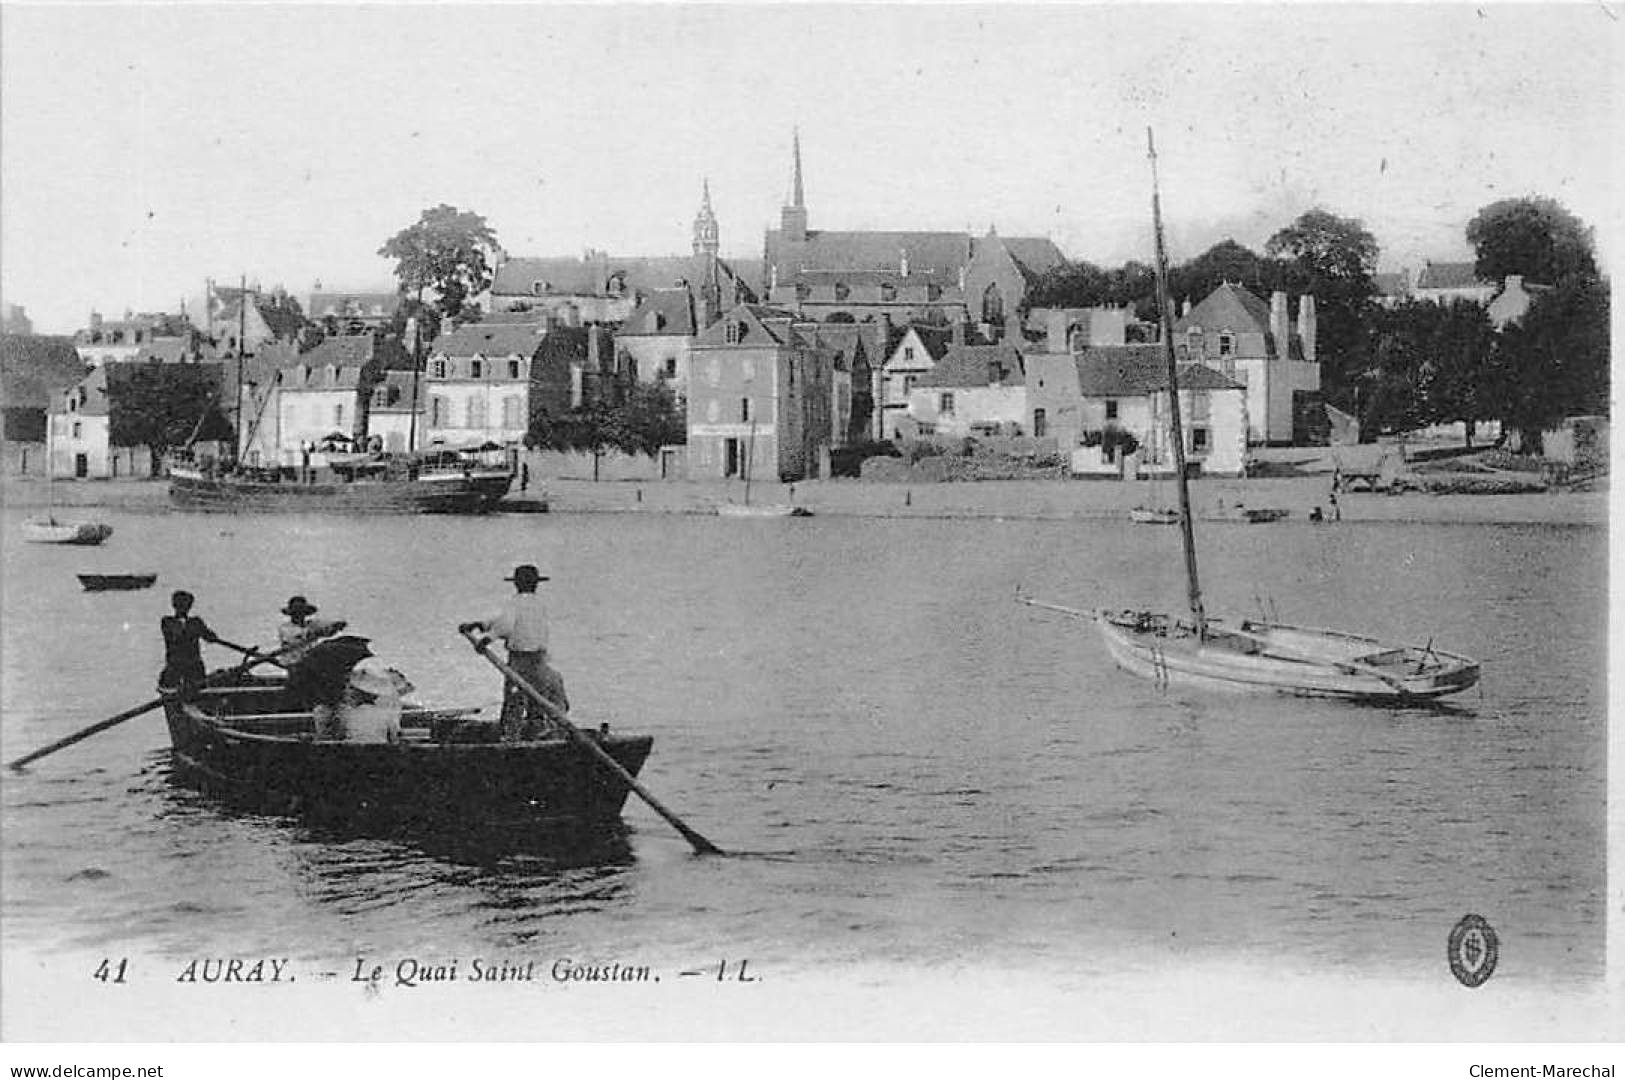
[
  {"x": 1227, "y": 344},
  {"x": 908, "y": 382},
  {"x": 744, "y": 410},
  {"x": 995, "y": 372},
  {"x": 1040, "y": 423},
  {"x": 437, "y": 369},
  {"x": 437, "y": 411},
  {"x": 511, "y": 415},
  {"x": 842, "y": 291},
  {"x": 78, "y": 429},
  {"x": 945, "y": 404},
  {"x": 670, "y": 368},
  {"x": 803, "y": 291},
  {"x": 474, "y": 412},
  {"x": 1111, "y": 409},
  {"x": 1198, "y": 439},
  {"x": 927, "y": 429},
  {"x": 908, "y": 354},
  {"x": 888, "y": 291},
  {"x": 513, "y": 369},
  {"x": 476, "y": 368},
  {"x": 732, "y": 334},
  {"x": 338, "y": 416},
  {"x": 933, "y": 292}
]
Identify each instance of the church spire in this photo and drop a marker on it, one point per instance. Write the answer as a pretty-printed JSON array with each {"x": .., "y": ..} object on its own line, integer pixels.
[
  {"x": 793, "y": 220},
  {"x": 706, "y": 232}
]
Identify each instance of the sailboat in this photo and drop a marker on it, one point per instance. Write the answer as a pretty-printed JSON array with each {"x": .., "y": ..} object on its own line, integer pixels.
[
  {"x": 759, "y": 510},
  {"x": 1251, "y": 655},
  {"x": 51, "y": 529}
]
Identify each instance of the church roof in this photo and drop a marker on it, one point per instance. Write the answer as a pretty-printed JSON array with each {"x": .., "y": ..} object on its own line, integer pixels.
[{"x": 934, "y": 255}]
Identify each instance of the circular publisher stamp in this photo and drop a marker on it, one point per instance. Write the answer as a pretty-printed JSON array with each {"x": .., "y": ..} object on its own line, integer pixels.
[{"x": 1473, "y": 951}]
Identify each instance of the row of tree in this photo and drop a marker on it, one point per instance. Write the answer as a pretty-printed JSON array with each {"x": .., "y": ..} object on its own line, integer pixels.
[{"x": 1416, "y": 363}]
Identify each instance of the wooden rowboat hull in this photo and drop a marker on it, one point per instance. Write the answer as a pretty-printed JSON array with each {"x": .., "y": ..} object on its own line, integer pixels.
[
  {"x": 271, "y": 763},
  {"x": 1274, "y": 658},
  {"x": 765, "y": 510},
  {"x": 107, "y": 582}
]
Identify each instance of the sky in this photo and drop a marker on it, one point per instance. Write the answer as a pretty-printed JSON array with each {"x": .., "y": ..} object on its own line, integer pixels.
[{"x": 147, "y": 147}]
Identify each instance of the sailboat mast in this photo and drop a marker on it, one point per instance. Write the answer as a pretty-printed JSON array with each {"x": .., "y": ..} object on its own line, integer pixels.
[
  {"x": 237, "y": 406},
  {"x": 1177, "y": 429}
]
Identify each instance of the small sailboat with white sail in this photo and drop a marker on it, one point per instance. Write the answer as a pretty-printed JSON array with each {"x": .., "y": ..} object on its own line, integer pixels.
[
  {"x": 50, "y": 528},
  {"x": 1257, "y": 656}
]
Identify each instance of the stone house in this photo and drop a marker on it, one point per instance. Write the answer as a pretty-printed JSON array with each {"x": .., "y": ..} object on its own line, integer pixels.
[
  {"x": 1079, "y": 399},
  {"x": 477, "y": 384},
  {"x": 1442, "y": 282},
  {"x": 1259, "y": 346},
  {"x": 973, "y": 390},
  {"x": 34, "y": 368},
  {"x": 653, "y": 342},
  {"x": 346, "y": 313},
  {"x": 760, "y": 398},
  {"x": 81, "y": 431},
  {"x": 143, "y": 336},
  {"x": 919, "y": 350},
  {"x": 257, "y": 317}
]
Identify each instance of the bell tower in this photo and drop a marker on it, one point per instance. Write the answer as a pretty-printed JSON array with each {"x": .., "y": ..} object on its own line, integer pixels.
[
  {"x": 706, "y": 236},
  {"x": 793, "y": 219},
  {"x": 707, "y": 242}
]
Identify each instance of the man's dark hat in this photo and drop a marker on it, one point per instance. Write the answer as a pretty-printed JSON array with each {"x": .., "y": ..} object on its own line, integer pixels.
[
  {"x": 526, "y": 574},
  {"x": 298, "y": 605}
]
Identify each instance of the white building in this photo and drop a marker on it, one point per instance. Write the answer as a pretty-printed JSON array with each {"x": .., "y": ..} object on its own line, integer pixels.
[{"x": 477, "y": 385}]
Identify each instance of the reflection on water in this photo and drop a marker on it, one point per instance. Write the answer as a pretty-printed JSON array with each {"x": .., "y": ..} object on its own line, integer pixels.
[{"x": 922, "y": 771}]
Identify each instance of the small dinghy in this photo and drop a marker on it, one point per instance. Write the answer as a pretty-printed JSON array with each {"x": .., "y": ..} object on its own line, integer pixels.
[
  {"x": 49, "y": 530},
  {"x": 112, "y": 582}
]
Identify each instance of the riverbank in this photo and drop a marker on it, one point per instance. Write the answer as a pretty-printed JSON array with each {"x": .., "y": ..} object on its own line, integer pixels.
[{"x": 1010, "y": 499}]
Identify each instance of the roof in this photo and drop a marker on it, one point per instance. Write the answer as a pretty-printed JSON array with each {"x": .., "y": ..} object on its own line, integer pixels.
[
  {"x": 34, "y": 366},
  {"x": 1229, "y": 307},
  {"x": 1391, "y": 284},
  {"x": 1033, "y": 255},
  {"x": 168, "y": 350},
  {"x": 664, "y": 312},
  {"x": 496, "y": 339},
  {"x": 590, "y": 274},
  {"x": 1131, "y": 370},
  {"x": 353, "y": 305},
  {"x": 970, "y": 365},
  {"x": 935, "y": 256},
  {"x": 1450, "y": 275}
]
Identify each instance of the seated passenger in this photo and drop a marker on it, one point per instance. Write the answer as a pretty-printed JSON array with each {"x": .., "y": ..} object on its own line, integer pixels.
[
  {"x": 369, "y": 710},
  {"x": 300, "y": 632}
]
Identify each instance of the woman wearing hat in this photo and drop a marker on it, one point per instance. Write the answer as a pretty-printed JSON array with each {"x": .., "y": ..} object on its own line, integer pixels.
[
  {"x": 300, "y": 632},
  {"x": 522, "y": 625}
]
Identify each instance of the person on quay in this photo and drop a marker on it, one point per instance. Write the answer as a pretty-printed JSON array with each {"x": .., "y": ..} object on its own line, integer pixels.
[
  {"x": 300, "y": 632},
  {"x": 522, "y": 626},
  {"x": 184, "y": 634}
]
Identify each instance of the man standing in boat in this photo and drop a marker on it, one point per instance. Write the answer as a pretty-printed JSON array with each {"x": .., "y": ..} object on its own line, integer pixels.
[
  {"x": 184, "y": 634},
  {"x": 522, "y": 625}
]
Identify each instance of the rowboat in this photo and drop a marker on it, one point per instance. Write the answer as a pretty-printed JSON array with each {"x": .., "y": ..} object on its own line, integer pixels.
[
  {"x": 1153, "y": 515},
  {"x": 761, "y": 510},
  {"x": 109, "y": 582},
  {"x": 49, "y": 530},
  {"x": 1247, "y": 515},
  {"x": 243, "y": 742},
  {"x": 1257, "y": 657}
]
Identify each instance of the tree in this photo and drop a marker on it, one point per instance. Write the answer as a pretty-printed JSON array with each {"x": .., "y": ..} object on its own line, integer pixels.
[
  {"x": 1554, "y": 363},
  {"x": 162, "y": 406},
  {"x": 1070, "y": 285},
  {"x": 448, "y": 252},
  {"x": 1533, "y": 236},
  {"x": 652, "y": 416},
  {"x": 1332, "y": 258}
]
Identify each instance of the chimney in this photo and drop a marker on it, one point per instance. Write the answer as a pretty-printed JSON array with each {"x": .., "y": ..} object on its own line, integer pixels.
[
  {"x": 902, "y": 263},
  {"x": 1280, "y": 329},
  {"x": 1306, "y": 326},
  {"x": 1185, "y": 309},
  {"x": 1055, "y": 332}
]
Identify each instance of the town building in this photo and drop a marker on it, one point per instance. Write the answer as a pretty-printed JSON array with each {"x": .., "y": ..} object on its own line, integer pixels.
[
  {"x": 1442, "y": 282},
  {"x": 760, "y": 398},
  {"x": 241, "y": 319},
  {"x": 336, "y": 313},
  {"x": 973, "y": 390},
  {"x": 600, "y": 288},
  {"x": 1089, "y": 400},
  {"x": 1258, "y": 345},
  {"x": 477, "y": 383},
  {"x": 902, "y": 275},
  {"x": 653, "y": 342},
  {"x": 88, "y": 429},
  {"x": 136, "y": 337},
  {"x": 315, "y": 402},
  {"x": 396, "y": 412},
  {"x": 34, "y": 369},
  {"x": 917, "y": 351}
]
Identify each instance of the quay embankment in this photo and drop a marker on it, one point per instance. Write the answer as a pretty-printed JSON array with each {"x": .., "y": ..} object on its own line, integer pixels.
[{"x": 1008, "y": 499}]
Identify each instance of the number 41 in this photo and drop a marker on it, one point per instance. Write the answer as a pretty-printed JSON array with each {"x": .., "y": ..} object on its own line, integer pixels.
[{"x": 107, "y": 972}]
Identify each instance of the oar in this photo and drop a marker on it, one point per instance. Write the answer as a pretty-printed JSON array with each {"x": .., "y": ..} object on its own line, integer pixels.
[
  {"x": 252, "y": 662},
  {"x": 482, "y": 645}
]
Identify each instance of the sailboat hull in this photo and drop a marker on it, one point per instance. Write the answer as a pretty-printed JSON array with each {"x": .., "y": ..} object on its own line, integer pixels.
[
  {"x": 52, "y": 531},
  {"x": 1274, "y": 658}
]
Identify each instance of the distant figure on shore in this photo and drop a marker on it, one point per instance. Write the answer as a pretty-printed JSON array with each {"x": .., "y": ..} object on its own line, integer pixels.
[
  {"x": 184, "y": 634},
  {"x": 1316, "y": 516},
  {"x": 300, "y": 632},
  {"x": 522, "y": 625},
  {"x": 1337, "y": 511},
  {"x": 524, "y": 477}
]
